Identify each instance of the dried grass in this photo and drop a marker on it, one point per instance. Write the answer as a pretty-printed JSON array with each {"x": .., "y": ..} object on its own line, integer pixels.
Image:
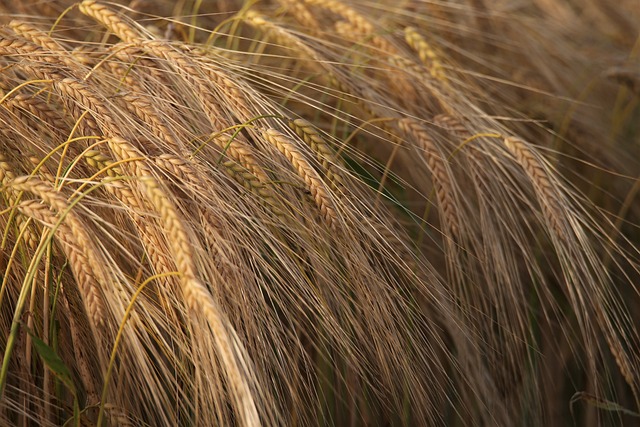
[{"x": 317, "y": 212}]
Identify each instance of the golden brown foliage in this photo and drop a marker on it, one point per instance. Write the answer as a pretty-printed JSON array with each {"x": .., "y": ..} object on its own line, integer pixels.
[{"x": 318, "y": 212}]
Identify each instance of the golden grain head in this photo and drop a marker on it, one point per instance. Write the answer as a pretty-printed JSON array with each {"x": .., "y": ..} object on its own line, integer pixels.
[{"x": 318, "y": 212}]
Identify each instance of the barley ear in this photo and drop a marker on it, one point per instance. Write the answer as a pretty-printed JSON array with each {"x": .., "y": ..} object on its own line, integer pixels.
[
  {"x": 426, "y": 53},
  {"x": 323, "y": 151},
  {"x": 437, "y": 163},
  {"x": 110, "y": 20},
  {"x": 81, "y": 251},
  {"x": 314, "y": 183},
  {"x": 546, "y": 192}
]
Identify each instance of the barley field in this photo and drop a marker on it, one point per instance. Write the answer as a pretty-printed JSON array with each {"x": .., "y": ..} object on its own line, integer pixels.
[{"x": 320, "y": 213}]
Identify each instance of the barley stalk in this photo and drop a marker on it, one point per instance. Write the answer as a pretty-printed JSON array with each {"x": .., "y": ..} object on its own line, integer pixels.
[
  {"x": 242, "y": 153},
  {"x": 79, "y": 98},
  {"x": 23, "y": 48},
  {"x": 79, "y": 344},
  {"x": 626, "y": 76},
  {"x": 439, "y": 171},
  {"x": 199, "y": 298},
  {"x": 310, "y": 56},
  {"x": 101, "y": 161},
  {"x": 425, "y": 80},
  {"x": 249, "y": 181},
  {"x": 314, "y": 183},
  {"x": 47, "y": 66},
  {"x": 87, "y": 56},
  {"x": 11, "y": 196},
  {"x": 622, "y": 360},
  {"x": 302, "y": 14},
  {"x": 142, "y": 107},
  {"x": 282, "y": 37},
  {"x": 180, "y": 167},
  {"x": 126, "y": 192},
  {"x": 453, "y": 125},
  {"x": 32, "y": 109},
  {"x": 246, "y": 170},
  {"x": 458, "y": 129},
  {"x": 323, "y": 151},
  {"x": 306, "y": 302},
  {"x": 135, "y": 43},
  {"x": 545, "y": 191},
  {"x": 426, "y": 53},
  {"x": 235, "y": 95},
  {"x": 359, "y": 23},
  {"x": 126, "y": 76},
  {"x": 110, "y": 20},
  {"x": 80, "y": 250},
  {"x": 134, "y": 57},
  {"x": 396, "y": 241},
  {"x": 195, "y": 293},
  {"x": 41, "y": 39},
  {"x": 187, "y": 173},
  {"x": 39, "y": 109},
  {"x": 118, "y": 416}
]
